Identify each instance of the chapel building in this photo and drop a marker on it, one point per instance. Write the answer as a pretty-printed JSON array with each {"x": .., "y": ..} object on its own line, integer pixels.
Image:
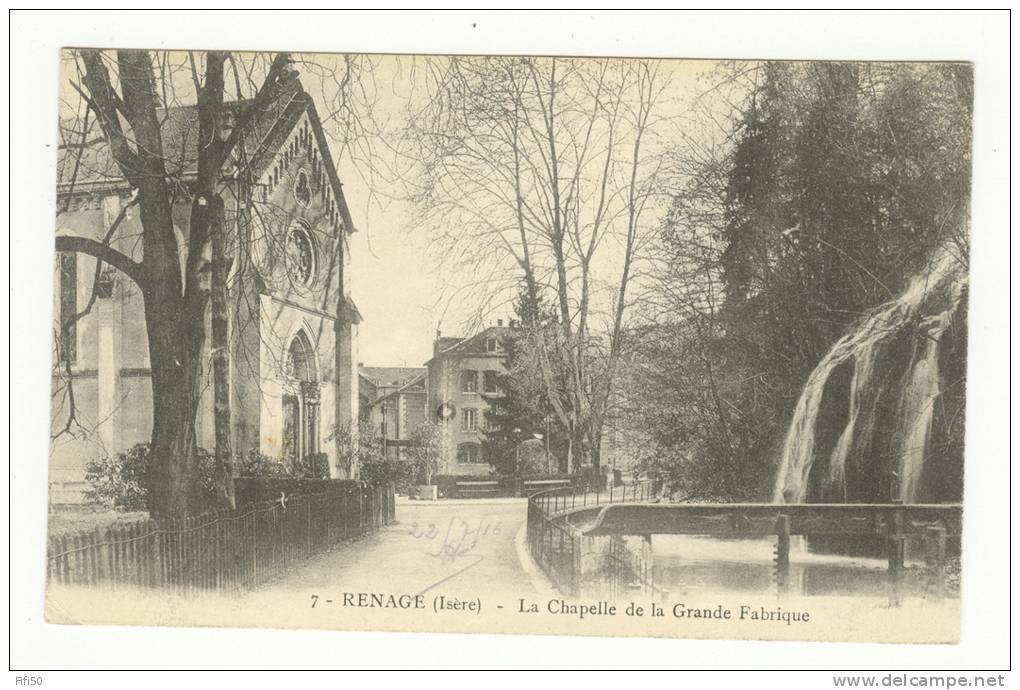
[{"x": 293, "y": 370}]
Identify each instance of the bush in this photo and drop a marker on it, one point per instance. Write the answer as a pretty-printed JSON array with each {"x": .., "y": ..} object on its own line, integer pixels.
[
  {"x": 425, "y": 452},
  {"x": 314, "y": 466},
  {"x": 121, "y": 481},
  {"x": 401, "y": 474},
  {"x": 356, "y": 445},
  {"x": 256, "y": 464}
]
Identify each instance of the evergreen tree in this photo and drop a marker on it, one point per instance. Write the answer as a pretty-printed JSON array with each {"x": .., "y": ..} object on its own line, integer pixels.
[
  {"x": 842, "y": 181},
  {"x": 521, "y": 410}
]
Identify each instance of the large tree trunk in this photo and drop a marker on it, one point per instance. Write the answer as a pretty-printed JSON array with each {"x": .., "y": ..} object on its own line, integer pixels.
[
  {"x": 176, "y": 366},
  {"x": 175, "y": 300},
  {"x": 175, "y": 323}
]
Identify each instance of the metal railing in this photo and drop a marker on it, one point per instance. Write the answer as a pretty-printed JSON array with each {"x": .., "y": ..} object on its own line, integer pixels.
[
  {"x": 220, "y": 550},
  {"x": 568, "y": 499},
  {"x": 581, "y": 543},
  {"x": 578, "y": 564}
]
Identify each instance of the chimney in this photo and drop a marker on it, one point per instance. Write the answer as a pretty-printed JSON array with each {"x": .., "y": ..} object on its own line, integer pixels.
[{"x": 435, "y": 343}]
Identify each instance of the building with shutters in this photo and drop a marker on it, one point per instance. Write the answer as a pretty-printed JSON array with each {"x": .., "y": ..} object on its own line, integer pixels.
[{"x": 462, "y": 388}]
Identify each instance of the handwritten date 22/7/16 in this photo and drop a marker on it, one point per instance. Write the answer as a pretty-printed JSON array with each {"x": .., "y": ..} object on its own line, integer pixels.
[{"x": 459, "y": 536}]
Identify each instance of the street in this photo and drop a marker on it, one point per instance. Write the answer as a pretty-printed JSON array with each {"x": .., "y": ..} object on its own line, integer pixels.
[{"x": 460, "y": 548}]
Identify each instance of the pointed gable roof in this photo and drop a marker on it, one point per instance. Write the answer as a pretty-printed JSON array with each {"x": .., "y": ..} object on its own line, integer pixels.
[
  {"x": 85, "y": 164},
  {"x": 474, "y": 345}
]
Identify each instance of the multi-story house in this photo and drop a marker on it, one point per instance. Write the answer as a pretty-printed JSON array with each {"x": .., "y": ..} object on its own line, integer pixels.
[
  {"x": 462, "y": 386},
  {"x": 394, "y": 404}
]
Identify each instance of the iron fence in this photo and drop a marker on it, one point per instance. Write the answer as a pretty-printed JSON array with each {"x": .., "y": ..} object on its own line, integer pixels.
[
  {"x": 580, "y": 565},
  {"x": 220, "y": 550}
]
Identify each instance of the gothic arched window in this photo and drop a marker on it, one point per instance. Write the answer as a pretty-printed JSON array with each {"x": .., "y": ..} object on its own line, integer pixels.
[{"x": 301, "y": 406}]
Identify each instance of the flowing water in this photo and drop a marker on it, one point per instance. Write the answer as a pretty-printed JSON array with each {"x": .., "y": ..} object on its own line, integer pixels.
[
  {"x": 689, "y": 566},
  {"x": 861, "y": 432},
  {"x": 894, "y": 355}
]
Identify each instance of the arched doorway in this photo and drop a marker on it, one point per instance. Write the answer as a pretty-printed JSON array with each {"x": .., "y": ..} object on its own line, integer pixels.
[{"x": 300, "y": 401}]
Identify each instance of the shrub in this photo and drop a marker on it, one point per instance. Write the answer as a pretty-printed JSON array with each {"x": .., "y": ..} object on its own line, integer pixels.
[
  {"x": 314, "y": 466},
  {"x": 425, "y": 452},
  {"x": 120, "y": 481},
  {"x": 256, "y": 464},
  {"x": 385, "y": 471},
  {"x": 356, "y": 445}
]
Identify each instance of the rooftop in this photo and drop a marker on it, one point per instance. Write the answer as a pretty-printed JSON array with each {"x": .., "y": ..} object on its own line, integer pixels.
[{"x": 391, "y": 376}]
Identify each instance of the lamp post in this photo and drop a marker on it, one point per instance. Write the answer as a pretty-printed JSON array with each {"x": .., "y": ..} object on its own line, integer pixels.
[
  {"x": 517, "y": 451},
  {"x": 382, "y": 408}
]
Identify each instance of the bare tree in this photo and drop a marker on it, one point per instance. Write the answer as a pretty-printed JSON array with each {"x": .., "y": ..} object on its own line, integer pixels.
[
  {"x": 128, "y": 107},
  {"x": 540, "y": 171},
  {"x": 129, "y": 99}
]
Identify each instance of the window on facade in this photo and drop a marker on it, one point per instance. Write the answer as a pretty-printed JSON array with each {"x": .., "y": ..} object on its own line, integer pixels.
[
  {"x": 491, "y": 345},
  {"x": 469, "y": 454},
  {"x": 489, "y": 384},
  {"x": 300, "y": 364},
  {"x": 300, "y": 437},
  {"x": 469, "y": 419},
  {"x": 68, "y": 346},
  {"x": 469, "y": 381}
]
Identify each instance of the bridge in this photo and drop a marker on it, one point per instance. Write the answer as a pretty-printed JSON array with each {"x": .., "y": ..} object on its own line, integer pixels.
[{"x": 575, "y": 534}]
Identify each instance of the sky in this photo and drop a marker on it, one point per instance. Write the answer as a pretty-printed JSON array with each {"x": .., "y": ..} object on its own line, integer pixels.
[
  {"x": 393, "y": 282},
  {"x": 403, "y": 297}
]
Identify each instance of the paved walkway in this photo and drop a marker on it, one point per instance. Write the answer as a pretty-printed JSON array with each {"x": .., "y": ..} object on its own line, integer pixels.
[{"x": 464, "y": 548}]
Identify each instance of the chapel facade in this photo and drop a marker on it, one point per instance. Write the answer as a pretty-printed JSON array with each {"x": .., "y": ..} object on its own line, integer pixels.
[{"x": 293, "y": 364}]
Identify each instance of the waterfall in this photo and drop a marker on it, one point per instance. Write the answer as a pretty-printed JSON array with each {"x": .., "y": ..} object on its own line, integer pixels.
[{"x": 894, "y": 354}]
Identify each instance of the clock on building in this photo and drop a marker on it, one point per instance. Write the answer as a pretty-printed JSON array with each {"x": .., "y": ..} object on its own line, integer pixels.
[{"x": 446, "y": 411}]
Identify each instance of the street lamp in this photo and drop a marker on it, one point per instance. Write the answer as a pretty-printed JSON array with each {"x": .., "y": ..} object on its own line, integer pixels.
[
  {"x": 517, "y": 451},
  {"x": 382, "y": 408}
]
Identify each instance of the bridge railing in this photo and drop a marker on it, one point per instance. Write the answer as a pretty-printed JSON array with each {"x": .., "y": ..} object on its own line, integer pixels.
[
  {"x": 577, "y": 535},
  {"x": 567, "y": 499},
  {"x": 572, "y": 560}
]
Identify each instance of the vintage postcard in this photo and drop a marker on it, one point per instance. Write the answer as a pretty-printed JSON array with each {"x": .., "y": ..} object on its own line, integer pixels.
[{"x": 510, "y": 344}]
